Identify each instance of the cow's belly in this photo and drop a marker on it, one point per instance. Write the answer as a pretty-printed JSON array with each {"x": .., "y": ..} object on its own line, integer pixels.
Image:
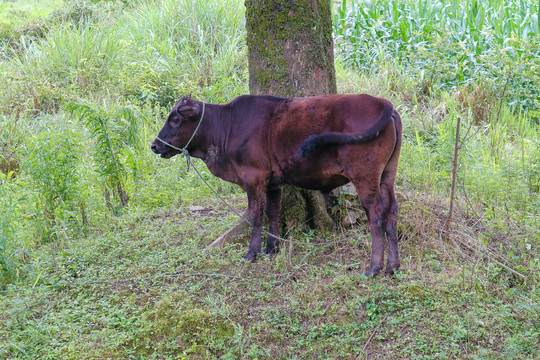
[
  {"x": 316, "y": 183},
  {"x": 312, "y": 175}
]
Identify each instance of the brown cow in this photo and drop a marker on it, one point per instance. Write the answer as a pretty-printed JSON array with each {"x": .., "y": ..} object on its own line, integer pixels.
[{"x": 320, "y": 142}]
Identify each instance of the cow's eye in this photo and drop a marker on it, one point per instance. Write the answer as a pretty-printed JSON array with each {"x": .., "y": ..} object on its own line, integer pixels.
[{"x": 175, "y": 121}]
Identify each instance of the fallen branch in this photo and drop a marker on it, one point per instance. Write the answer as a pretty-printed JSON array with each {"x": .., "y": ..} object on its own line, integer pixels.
[
  {"x": 505, "y": 301},
  {"x": 234, "y": 234},
  {"x": 364, "y": 348}
]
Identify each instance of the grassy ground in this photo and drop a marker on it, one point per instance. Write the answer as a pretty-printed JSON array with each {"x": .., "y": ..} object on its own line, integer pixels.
[
  {"x": 24, "y": 17},
  {"x": 83, "y": 277}
]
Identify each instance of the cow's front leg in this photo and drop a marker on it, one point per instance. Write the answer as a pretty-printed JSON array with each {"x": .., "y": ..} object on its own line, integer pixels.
[
  {"x": 256, "y": 201},
  {"x": 273, "y": 208}
]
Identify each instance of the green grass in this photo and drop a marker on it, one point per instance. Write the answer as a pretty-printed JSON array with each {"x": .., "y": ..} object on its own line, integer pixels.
[
  {"x": 18, "y": 15},
  {"x": 85, "y": 278}
]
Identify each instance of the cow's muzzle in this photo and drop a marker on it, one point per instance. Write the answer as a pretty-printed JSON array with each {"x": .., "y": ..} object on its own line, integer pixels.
[{"x": 162, "y": 149}]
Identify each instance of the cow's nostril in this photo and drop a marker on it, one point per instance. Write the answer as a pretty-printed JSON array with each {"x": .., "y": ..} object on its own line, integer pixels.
[{"x": 153, "y": 147}]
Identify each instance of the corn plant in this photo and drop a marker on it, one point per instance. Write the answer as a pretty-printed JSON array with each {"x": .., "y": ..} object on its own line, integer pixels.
[{"x": 455, "y": 42}]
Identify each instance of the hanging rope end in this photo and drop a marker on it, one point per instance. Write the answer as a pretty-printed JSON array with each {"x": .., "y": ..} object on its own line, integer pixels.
[{"x": 186, "y": 155}]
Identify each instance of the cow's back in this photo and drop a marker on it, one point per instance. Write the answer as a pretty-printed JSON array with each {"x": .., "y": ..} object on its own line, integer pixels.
[{"x": 296, "y": 119}]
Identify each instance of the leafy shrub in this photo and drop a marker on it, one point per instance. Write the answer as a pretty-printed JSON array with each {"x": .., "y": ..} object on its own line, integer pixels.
[
  {"x": 50, "y": 159},
  {"x": 11, "y": 136}
]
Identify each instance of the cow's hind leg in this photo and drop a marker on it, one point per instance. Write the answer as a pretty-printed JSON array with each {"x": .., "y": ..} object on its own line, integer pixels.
[
  {"x": 273, "y": 208},
  {"x": 391, "y": 209},
  {"x": 372, "y": 200},
  {"x": 388, "y": 180}
]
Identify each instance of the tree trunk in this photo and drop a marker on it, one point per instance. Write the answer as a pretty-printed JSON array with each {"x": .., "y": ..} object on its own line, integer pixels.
[
  {"x": 291, "y": 54},
  {"x": 290, "y": 47}
]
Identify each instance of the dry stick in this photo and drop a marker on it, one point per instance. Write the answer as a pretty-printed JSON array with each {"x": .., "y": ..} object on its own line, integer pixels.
[
  {"x": 290, "y": 254},
  {"x": 502, "y": 97},
  {"x": 364, "y": 348},
  {"x": 505, "y": 301},
  {"x": 469, "y": 202},
  {"x": 454, "y": 172}
]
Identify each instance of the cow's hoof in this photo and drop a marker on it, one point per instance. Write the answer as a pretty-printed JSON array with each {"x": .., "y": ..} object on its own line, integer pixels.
[
  {"x": 391, "y": 269},
  {"x": 373, "y": 271},
  {"x": 250, "y": 257},
  {"x": 271, "y": 250}
]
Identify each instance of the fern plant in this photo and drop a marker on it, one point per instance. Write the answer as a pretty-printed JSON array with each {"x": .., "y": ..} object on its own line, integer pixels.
[{"x": 109, "y": 144}]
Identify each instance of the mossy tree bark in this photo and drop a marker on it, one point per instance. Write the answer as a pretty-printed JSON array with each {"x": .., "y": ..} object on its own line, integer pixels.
[
  {"x": 291, "y": 53},
  {"x": 290, "y": 47}
]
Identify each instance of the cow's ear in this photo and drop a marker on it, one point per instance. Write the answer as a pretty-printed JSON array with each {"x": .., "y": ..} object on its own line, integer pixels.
[{"x": 189, "y": 109}]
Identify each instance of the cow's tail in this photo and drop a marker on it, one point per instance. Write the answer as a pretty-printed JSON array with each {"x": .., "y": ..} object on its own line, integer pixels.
[{"x": 316, "y": 143}]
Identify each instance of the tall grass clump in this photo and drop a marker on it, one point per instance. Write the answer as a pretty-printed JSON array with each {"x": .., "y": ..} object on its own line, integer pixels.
[
  {"x": 147, "y": 52},
  {"x": 185, "y": 46},
  {"x": 82, "y": 56},
  {"x": 446, "y": 44}
]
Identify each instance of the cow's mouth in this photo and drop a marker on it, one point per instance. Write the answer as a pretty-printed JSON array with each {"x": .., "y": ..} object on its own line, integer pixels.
[
  {"x": 166, "y": 155},
  {"x": 165, "y": 152}
]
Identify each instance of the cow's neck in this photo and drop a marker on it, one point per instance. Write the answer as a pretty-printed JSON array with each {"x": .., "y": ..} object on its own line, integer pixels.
[{"x": 210, "y": 142}]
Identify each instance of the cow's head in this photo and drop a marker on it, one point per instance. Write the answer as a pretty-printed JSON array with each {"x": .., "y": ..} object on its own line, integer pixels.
[{"x": 179, "y": 127}]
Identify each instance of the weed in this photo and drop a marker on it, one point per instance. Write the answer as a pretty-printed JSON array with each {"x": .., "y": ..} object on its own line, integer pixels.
[{"x": 51, "y": 159}]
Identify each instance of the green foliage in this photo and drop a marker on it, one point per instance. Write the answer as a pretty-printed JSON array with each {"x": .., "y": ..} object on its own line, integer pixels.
[
  {"x": 7, "y": 230},
  {"x": 51, "y": 159},
  {"x": 447, "y": 44},
  {"x": 111, "y": 143},
  {"x": 151, "y": 53},
  {"x": 23, "y": 16},
  {"x": 11, "y": 136},
  {"x": 80, "y": 12},
  {"x": 533, "y": 169}
]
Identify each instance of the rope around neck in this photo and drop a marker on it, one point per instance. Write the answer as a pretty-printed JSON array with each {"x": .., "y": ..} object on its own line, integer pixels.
[{"x": 183, "y": 150}]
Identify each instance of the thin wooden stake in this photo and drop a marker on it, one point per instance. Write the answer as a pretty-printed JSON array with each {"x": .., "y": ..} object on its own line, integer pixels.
[
  {"x": 454, "y": 175},
  {"x": 290, "y": 254}
]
